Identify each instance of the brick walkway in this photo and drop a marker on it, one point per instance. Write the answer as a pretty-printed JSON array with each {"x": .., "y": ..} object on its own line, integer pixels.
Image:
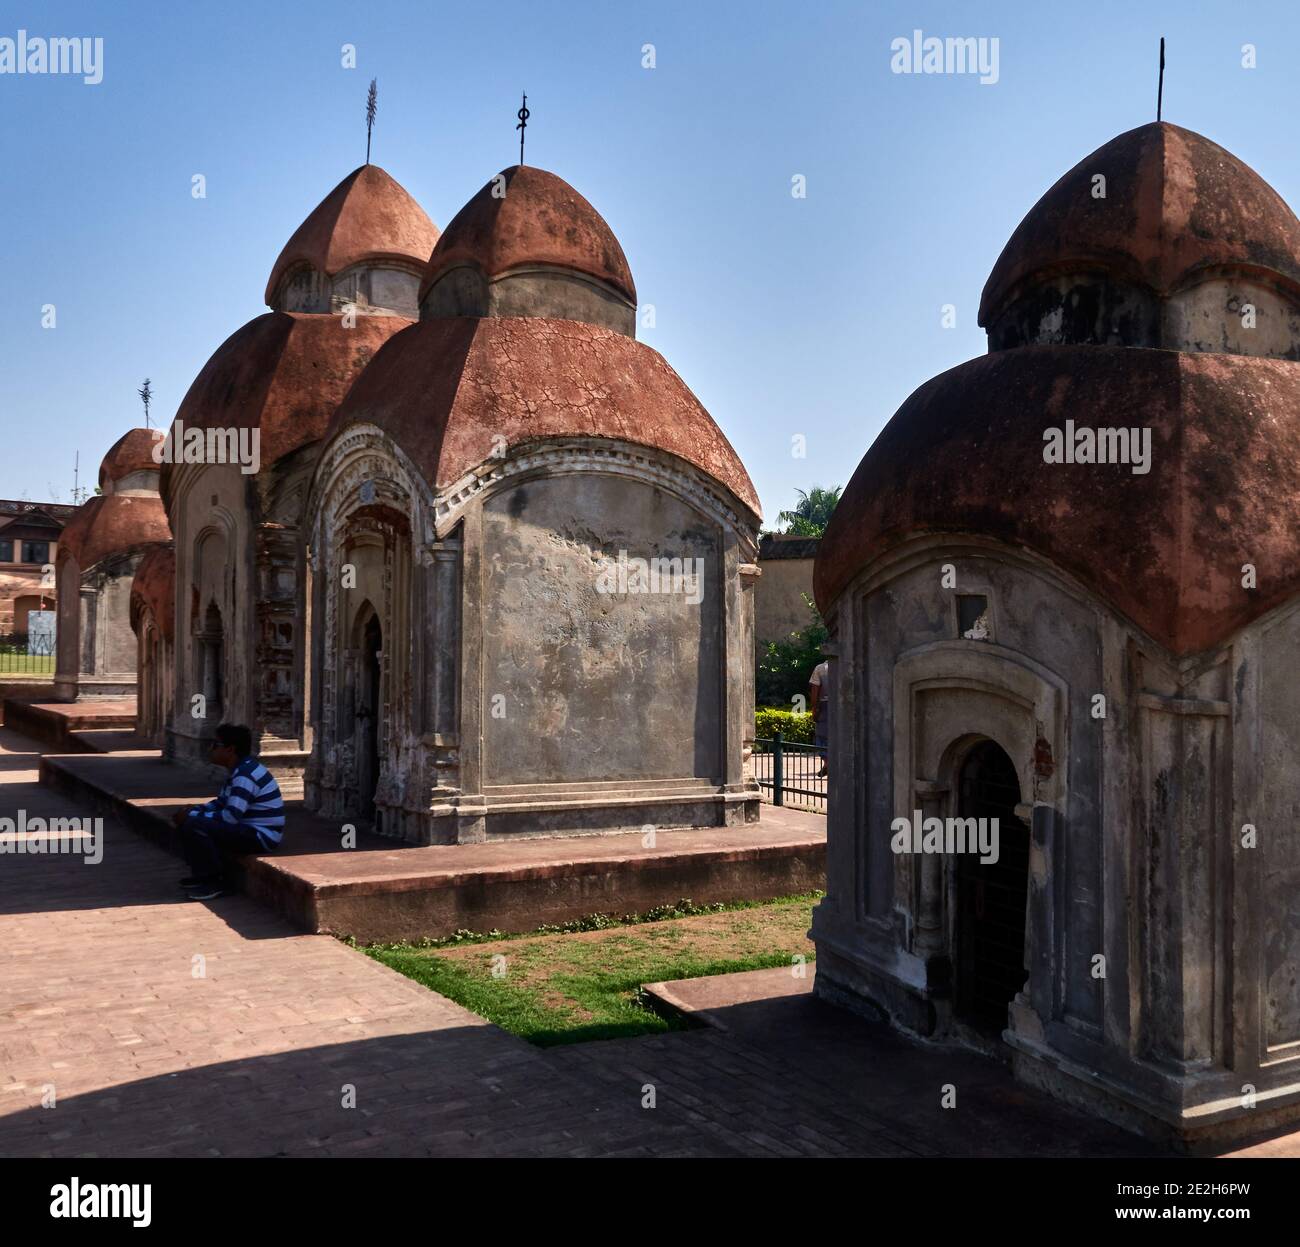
[{"x": 99, "y": 999}]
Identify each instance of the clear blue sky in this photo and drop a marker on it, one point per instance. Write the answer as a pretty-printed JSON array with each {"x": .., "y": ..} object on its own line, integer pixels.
[{"x": 815, "y": 316}]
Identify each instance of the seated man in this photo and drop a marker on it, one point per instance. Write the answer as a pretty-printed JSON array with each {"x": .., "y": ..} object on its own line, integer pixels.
[{"x": 246, "y": 817}]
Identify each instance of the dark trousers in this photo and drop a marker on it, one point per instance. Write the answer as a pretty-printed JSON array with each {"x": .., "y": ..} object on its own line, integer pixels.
[{"x": 203, "y": 840}]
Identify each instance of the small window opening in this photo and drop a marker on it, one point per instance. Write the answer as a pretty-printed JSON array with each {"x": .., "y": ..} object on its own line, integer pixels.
[{"x": 973, "y": 617}]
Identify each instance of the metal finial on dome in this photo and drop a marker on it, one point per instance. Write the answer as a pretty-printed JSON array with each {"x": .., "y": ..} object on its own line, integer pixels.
[
  {"x": 1160, "y": 90},
  {"x": 523, "y": 115},
  {"x": 146, "y": 397},
  {"x": 372, "y": 107}
]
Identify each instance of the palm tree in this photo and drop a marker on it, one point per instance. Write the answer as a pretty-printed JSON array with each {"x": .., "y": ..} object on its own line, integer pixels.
[{"x": 812, "y": 512}]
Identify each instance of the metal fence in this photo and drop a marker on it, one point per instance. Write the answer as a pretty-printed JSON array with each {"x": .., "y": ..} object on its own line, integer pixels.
[
  {"x": 791, "y": 774},
  {"x": 24, "y": 655}
]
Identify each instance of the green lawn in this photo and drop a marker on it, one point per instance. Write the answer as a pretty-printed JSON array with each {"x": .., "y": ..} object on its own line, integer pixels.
[{"x": 570, "y": 987}]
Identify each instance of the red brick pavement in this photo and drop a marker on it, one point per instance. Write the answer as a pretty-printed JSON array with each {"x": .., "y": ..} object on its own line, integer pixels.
[{"x": 100, "y": 1000}]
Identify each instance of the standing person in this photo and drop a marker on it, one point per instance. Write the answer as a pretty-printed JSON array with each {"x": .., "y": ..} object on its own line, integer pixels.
[
  {"x": 247, "y": 815},
  {"x": 819, "y": 702}
]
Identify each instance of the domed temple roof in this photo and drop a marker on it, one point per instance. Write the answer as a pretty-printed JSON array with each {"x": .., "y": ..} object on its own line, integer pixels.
[
  {"x": 964, "y": 454},
  {"x": 539, "y": 220},
  {"x": 1176, "y": 205},
  {"x": 367, "y": 216},
  {"x": 154, "y": 587},
  {"x": 132, "y": 452},
  {"x": 112, "y": 524},
  {"x": 283, "y": 373},
  {"x": 446, "y": 390}
]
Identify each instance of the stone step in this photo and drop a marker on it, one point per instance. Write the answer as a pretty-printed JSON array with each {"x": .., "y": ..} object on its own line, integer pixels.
[
  {"x": 56, "y": 722},
  {"x": 686, "y": 783},
  {"x": 602, "y": 800}
]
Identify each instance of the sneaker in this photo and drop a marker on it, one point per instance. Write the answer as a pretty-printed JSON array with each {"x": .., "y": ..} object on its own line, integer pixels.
[
  {"x": 207, "y": 892},
  {"x": 193, "y": 881}
]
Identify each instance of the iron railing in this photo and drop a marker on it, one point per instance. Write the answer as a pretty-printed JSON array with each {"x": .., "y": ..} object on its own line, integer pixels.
[
  {"x": 789, "y": 773},
  {"x": 24, "y": 655}
]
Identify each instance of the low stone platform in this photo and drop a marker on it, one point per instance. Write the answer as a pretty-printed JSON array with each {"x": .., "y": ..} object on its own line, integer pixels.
[
  {"x": 109, "y": 740},
  {"x": 55, "y": 723},
  {"x": 24, "y": 689},
  {"x": 382, "y": 891},
  {"x": 708, "y": 1000}
]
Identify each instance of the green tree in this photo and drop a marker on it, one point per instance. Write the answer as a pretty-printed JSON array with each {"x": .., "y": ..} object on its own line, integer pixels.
[
  {"x": 812, "y": 512},
  {"x": 785, "y": 667}
]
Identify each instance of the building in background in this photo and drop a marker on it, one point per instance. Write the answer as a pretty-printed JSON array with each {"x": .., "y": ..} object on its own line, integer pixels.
[
  {"x": 102, "y": 545},
  {"x": 29, "y": 543},
  {"x": 784, "y": 588}
]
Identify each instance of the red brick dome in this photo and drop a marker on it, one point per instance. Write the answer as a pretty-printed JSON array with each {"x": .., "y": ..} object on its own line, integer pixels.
[
  {"x": 283, "y": 373},
  {"x": 1176, "y": 206},
  {"x": 111, "y": 524},
  {"x": 538, "y": 220},
  {"x": 964, "y": 454},
  {"x": 367, "y": 216}
]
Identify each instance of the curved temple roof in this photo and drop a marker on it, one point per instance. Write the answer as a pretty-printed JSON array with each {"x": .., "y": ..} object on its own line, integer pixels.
[
  {"x": 132, "y": 452},
  {"x": 448, "y": 390},
  {"x": 113, "y": 524},
  {"x": 367, "y": 216},
  {"x": 539, "y": 219},
  {"x": 1175, "y": 204},
  {"x": 283, "y": 373},
  {"x": 965, "y": 454}
]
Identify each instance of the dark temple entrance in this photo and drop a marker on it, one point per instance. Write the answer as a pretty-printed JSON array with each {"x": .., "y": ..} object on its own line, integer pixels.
[
  {"x": 368, "y": 704},
  {"x": 991, "y": 899}
]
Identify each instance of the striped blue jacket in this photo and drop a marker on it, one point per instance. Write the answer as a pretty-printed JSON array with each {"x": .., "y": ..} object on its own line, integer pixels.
[{"x": 249, "y": 798}]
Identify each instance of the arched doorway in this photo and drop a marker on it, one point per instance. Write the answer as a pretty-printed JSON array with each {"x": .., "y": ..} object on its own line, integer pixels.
[
  {"x": 210, "y": 662},
  {"x": 992, "y": 897},
  {"x": 368, "y": 705}
]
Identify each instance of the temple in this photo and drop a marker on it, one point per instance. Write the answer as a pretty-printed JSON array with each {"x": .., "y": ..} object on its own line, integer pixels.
[
  {"x": 99, "y": 551},
  {"x": 1094, "y": 658},
  {"x": 410, "y": 588},
  {"x": 343, "y": 285},
  {"x": 476, "y": 671}
]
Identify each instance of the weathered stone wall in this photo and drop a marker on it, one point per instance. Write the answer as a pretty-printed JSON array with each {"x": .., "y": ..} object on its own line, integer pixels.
[
  {"x": 1137, "y": 854},
  {"x": 1269, "y": 706},
  {"x": 517, "y": 698},
  {"x": 115, "y": 648},
  {"x": 210, "y": 518},
  {"x": 592, "y": 685}
]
